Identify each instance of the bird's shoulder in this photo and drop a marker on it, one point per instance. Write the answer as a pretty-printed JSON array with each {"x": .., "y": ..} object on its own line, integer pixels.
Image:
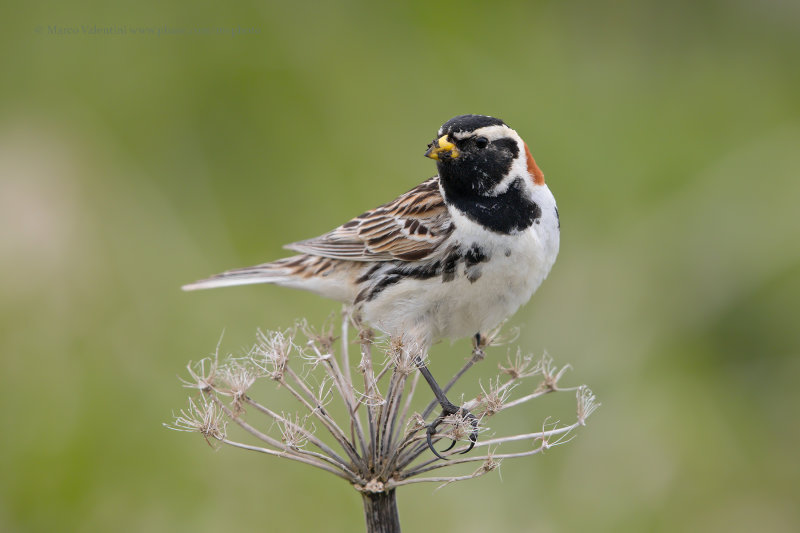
[{"x": 409, "y": 228}]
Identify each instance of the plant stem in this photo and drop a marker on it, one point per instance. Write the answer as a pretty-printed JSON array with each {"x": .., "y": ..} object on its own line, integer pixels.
[{"x": 380, "y": 512}]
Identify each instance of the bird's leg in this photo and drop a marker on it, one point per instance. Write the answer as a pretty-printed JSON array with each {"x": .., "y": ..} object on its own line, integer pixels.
[
  {"x": 478, "y": 344},
  {"x": 448, "y": 408}
]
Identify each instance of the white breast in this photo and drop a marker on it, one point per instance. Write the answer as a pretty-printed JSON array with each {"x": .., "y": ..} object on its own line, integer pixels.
[{"x": 431, "y": 309}]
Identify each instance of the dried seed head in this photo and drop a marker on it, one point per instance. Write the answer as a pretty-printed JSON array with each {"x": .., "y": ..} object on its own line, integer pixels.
[
  {"x": 271, "y": 353},
  {"x": 401, "y": 354},
  {"x": 206, "y": 418},
  {"x": 293, "y": 432},
  {"x": 587, "y": 403},
  {"x": 238, "y": 378},
  {"x": 550, "y": 373},
  {"x": 488, "y": 465},
  {"x": 520, "y": 367},
  {"x": 492, "y": 401},
  {"x": 497, "y": 337},
  {"x": 203, "y": 374},
  {"x": 323, "y": 339}
]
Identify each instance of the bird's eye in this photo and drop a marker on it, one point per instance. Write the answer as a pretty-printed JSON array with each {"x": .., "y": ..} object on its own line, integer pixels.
[{"x": 481, "y": 142}]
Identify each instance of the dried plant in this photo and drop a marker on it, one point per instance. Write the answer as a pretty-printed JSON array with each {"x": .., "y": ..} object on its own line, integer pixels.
[{"x": 379, "y": 442}]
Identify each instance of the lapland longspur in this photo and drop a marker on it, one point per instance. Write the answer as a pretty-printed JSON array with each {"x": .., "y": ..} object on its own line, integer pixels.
[{"x": 452, "y": 257}]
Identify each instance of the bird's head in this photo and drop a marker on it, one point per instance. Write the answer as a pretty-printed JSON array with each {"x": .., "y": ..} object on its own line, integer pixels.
[{"x": 478, "y": 155}]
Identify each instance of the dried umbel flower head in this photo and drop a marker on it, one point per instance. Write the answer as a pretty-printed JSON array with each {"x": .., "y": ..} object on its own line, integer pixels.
[
  {"x": 294, "y": 434},
  {"x": 238, "y": 379},
  {"x": 202, "y": 416},
  {"x": 271, "y": 353},
  {"x": 521, "y": 366},
  {"x": 551, "y": 374},
  {"x": 587, "y": 403},
  {"x": 323, "y": 339},
  {"x": 202, "y": 374},
  {"x": 493, "y": 398},
  {"x": 402, "y": 355},
  {"x": 380, "y": 442}
]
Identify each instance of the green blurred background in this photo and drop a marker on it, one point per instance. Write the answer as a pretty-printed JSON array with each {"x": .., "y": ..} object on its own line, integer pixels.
[{"x": 130, "y": 164}]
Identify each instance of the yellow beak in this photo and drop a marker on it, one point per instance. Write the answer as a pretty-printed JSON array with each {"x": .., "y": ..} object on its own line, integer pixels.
[{"x": 442, "y": 145}]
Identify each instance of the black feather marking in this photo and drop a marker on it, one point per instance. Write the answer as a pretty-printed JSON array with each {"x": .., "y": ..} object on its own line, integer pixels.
[
  {"x": 450, "y": 264},
  {"x": 368, "y": 274},
  {"x": 397, "y": 274},
  {"x": 505, "y": 213},
  {"x": 423, "y": 271},
  {"x": 476, "y": 172},
  {"x": 472, "y": 258},
  {"x": 475, "y": 255},
  {"x": 386, "y": 281},
  {"x": 508, "y": 144},
  {"x": 446, "y": 268}
]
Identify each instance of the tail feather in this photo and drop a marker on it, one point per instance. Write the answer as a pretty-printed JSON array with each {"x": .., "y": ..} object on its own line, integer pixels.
[
  {"x": 275, "y": 272},
  {"x": 266, "y": 273},
  {"x": 328, "y": 277}
]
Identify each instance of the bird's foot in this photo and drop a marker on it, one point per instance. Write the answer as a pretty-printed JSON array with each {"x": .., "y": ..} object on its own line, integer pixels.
[{"x": 464, "y": 417}]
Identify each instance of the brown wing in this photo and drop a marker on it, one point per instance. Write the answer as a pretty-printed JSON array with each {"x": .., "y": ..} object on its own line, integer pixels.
[{"x": 408, "y": 228}]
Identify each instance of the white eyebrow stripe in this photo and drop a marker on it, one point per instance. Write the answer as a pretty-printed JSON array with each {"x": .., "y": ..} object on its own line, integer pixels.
[
  {"x": 495, "y": 132},
  {"x": 492, "y": 133}
]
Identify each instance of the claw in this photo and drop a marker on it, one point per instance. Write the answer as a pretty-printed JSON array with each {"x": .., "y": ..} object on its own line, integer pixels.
[
  {"x": 429, "y": 434},
  {"x": 431, "y": 431},
  {"x": 473, "y": 437},
  {"x": 447, "y": 407},
  {"x": 452, "y": 444}
]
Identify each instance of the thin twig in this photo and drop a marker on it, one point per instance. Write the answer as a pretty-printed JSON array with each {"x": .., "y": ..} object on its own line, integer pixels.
[
  {"x": 529, "y": 397},
  {"x": 480, "y": 458},
  {"x": 319, "y": 411},
  {"x": 274, "y": 442},
  {"x": 301, "y": 459},
  {"x": 306, "y": 433},
  {"x": 445, "y": 480},
  {"x": 370, "y": 389},
  {"x": 391, "y": 419},
  {"x": 389, "y": 416},
  {"x": 346, "y": 393},
  {"x": 345, "y": 344},
  {"x": 410, "y": 395},
  {"x": 528, "y": 436}
]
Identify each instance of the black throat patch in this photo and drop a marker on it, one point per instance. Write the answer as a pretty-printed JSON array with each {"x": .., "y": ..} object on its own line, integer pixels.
[{"x": 505, "y": 213}]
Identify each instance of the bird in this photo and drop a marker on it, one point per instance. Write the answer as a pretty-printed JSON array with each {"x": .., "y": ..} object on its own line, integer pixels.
[{"x": 451, "y": 258}]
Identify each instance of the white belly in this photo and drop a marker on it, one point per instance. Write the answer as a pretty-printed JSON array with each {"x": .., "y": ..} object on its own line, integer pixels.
[{"x": 431, "y": 309}]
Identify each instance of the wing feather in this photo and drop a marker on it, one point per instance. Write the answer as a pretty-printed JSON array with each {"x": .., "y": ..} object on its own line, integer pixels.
[{"x": 409, "y": 228}]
